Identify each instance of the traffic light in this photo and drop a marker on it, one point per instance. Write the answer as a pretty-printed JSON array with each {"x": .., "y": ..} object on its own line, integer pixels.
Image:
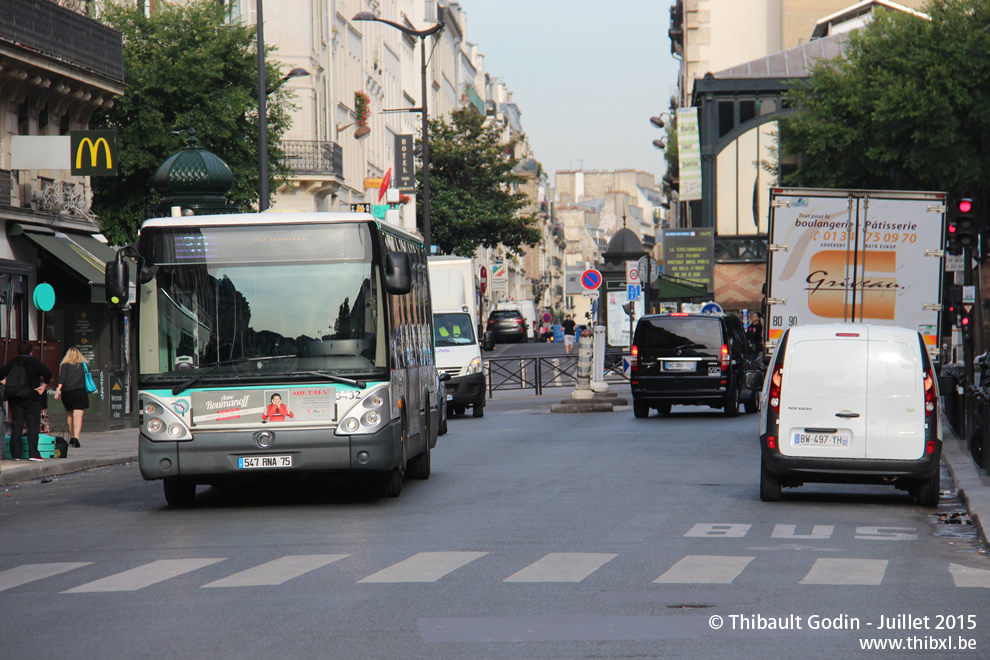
[
  {"x": 962, "y": 229},
  {"x": 117, "y": 281},
  {"x": 966, "y": 322},
  {"x": 953, "y": 307}
]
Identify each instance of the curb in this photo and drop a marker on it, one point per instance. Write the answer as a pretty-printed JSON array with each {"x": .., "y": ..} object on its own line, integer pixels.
[
  {"x": 56, "y": 467},
  {"x": 972, "y": 491}
]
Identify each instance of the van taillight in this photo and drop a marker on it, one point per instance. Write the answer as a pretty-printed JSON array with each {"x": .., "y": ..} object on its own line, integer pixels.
[
  {"x": 775, "y": 380},
  {"x": 771, "y": 442},
  {"x": 725, "y": 357},
  {"x": 930, "y": 447},
  {"x": 931, "y": 401},
  {"x": 634, "y": 359}
]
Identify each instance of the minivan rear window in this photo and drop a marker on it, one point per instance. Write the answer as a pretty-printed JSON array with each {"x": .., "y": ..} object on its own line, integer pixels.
[{"x": 672, "y": 332}]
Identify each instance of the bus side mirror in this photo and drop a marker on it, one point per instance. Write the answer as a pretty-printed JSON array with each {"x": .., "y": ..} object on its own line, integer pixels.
[
  {"x": 398, "y": 279},
  {"x": 117, "y": 279}
]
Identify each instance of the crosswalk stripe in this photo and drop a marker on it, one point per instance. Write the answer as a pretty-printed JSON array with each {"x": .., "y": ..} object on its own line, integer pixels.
[
  {"x": 424, "y": 567},
  {"x": 705, "y": 569},
  {"x": 278, "y": 571},
  {"x": 846, "y": 571},
  {"x": 143, "y": 576},
  {"x": 562, "y": 567},
  {"x": 25, "y": 573},
  {"x": 964, "y": 576}
]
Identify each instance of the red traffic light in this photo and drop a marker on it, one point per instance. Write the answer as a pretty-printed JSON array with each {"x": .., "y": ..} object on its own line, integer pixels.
[
  {"x": 964, "y": 320},
  {"x": 953, "y": 228},
  {"x": 964, "y": 205}
]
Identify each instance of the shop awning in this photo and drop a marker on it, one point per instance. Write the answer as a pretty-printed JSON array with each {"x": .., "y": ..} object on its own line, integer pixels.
[{"x": 81, "y": 254}]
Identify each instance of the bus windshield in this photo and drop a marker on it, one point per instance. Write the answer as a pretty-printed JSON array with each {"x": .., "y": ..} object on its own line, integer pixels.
[{"x": 258, "y": 302}]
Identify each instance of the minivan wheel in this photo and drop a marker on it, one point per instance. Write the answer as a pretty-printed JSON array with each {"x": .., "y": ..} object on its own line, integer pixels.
[
  {"x": 769, "y": 485},
  {"x": 731, "y": 407},
  {"x": 640, "y": 409},
  {"x": 928, "y": 491}
]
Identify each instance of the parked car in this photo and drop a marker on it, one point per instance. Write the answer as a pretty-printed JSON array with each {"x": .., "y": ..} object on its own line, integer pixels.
[
  {"x": 850, "y": 403},
  {"x": 691, "y": 359},
  {"x": 507, "y": 325}
]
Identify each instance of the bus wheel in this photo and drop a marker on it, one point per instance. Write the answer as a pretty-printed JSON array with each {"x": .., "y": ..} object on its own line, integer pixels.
[
  {"x": 390, "y": 482},
  {"x": 179, "y": 493},
  {"x": 419, "y": 466}
]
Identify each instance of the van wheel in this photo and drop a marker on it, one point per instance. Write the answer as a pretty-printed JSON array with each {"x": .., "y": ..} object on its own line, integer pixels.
[
  {"x": 731, "y": 407},
  {"x": 640, "y": 409},
  {"x": 769, "y": 485},
  {"x": 478, "y": 410},
  {"x": 179, "y": 493},
  {"x": 928, "y": 492}
]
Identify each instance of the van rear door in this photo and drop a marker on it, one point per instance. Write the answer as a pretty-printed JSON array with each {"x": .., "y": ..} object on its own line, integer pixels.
[
  {"x": 823, "y": 398},
  {"x": 896, "y": 396}
]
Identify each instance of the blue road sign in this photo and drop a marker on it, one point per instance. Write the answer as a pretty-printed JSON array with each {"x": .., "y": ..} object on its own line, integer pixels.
[
  {"x": 591, "y": 279},
  {"x": 711, "y": 308},
  {"x": 634, "y": 291}
]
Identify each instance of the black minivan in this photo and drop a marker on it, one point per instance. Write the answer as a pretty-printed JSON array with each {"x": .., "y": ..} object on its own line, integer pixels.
[{"x": 691, "y": 359}]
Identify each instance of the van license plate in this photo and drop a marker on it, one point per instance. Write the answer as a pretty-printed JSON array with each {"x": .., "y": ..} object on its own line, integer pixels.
[
  {"x": 678, "y": 366},
  {"x": 821, "y": 439},
  {"x": 244, "y": 462}
]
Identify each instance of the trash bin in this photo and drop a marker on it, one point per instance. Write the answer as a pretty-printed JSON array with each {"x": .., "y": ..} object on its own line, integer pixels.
[{"x": 558, "y": 334}]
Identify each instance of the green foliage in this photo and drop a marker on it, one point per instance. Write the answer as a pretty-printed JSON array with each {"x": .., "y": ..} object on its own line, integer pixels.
[
  {"x": 185, "y": 65},
  {"x": 906, "y": 107},
  {"x": 473, "y": 193}
]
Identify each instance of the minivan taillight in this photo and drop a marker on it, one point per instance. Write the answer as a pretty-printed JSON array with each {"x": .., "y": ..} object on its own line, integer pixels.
[
  {"x": 931, "y": 401},
  {"x": 634, "y": 359},
  {"x": 725, "y": 357},
  {"x": 775, "y": 380}
]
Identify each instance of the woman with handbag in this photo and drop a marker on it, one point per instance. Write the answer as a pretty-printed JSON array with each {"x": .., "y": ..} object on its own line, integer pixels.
[{"x": 74, "y": 388}]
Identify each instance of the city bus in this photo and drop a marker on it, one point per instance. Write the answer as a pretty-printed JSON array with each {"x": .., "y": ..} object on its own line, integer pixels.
[{"x": 274, "y": 344}]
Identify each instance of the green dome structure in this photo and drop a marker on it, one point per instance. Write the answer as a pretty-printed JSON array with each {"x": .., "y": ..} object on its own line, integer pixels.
[{"x": 194, "y": 179}]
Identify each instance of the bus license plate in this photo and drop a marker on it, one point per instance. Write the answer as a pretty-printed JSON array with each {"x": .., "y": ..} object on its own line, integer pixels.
[
  {"x": 244, "y": 462},
  {"x": 678, "y": 366},
  {"x": 821, "y": 440}
]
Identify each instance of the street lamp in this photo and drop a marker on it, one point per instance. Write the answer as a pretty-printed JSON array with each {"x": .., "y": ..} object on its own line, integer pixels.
[{"x": 422, "y": 35}]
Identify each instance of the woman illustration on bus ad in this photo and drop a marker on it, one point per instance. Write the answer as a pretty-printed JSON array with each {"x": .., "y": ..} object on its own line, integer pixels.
[{"x": 277, "y": 411}]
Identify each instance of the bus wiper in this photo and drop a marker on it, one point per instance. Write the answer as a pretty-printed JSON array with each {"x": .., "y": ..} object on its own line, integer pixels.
[
  {"x": 178, "y": 389},
  {"x": 335, "y": 378}
]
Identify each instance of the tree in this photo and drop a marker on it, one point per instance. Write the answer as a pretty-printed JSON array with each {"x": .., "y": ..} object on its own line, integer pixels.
[
  {"x": 905, "y": 107},
  {"x": 187, "y": 65},
  {"x": 473, "y": 193}
]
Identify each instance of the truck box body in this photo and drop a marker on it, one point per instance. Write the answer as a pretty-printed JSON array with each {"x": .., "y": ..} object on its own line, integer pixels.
[
  {"x": 855, "y": 256},
  {"x": 455, "y": 318}
]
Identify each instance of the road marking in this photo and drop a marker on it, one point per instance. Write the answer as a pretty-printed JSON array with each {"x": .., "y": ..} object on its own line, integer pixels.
[
  {"x": 964, "y": 576},
  {"x": 143, "y": 576},
  {"x": 278, "y": 571},
  {"x": 424, "y": 567},
  {"x": 720, "y": 530},
  {"x": 19, "y": 575},
  {"x": 705, "y": 569},
  {"x": 846, "y": 571},
  {"x": 562, "y": 567},
  {"x": 787, "y": 532}
]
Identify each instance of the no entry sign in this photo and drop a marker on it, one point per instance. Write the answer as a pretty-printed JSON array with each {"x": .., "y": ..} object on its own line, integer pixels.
[{"x": 591, "y": 279}]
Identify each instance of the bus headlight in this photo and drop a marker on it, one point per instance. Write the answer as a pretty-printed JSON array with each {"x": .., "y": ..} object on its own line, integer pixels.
[
  {"x": 160, "y": 424},
  {"x": 475, "y": 366},
  {"x": 368, "y": 415}
]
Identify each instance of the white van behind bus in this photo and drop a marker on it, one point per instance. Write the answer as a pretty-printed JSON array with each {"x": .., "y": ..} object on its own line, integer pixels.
[{"x": 851, "y": 403}]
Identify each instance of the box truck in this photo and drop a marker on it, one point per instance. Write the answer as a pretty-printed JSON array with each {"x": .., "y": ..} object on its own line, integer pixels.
[
  {"x": 455, "y": 321},
  {"x": 868, "y": 256}
]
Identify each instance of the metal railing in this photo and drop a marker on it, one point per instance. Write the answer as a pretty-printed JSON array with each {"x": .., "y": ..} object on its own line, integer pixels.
[
  {"x": 961, "y": 399},
  {"x": 314, "y": 157},
  {"x": 539, "y": 373},
  {"x": 41, "y": 26},
  {"x": 6, "y": 188}
]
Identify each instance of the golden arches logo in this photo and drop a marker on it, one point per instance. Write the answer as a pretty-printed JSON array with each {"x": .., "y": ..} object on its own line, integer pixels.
[{"x": 94, "y": 152}]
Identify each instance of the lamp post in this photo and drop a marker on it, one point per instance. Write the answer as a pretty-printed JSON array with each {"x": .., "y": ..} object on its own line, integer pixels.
[{"x": 421, "y": 35}]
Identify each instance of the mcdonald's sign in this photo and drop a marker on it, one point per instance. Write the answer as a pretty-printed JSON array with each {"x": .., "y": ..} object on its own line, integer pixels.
[{"x": 94, "y": 153}]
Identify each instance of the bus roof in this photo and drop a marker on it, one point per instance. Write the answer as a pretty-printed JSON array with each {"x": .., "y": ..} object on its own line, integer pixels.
[{"x": 278, "y": 218}]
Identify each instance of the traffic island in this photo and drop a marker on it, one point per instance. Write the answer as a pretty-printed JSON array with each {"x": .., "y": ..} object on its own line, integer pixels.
[{"x": 584, "y": 399}]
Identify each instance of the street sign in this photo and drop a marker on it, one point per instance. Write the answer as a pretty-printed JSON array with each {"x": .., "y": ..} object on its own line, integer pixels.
[
  {"x": 632, "y": 272},
  {"x": 484, "y": 280},
  {"x": 591, "y": 279},
  {"x": 634, "y": 291},
  {"x": 648, "y": 272},
  {"x": 711, "y": 308},
  {"x": 592, "y": 295},
  {"x": 363, "y": 207},
  {"x": 547, "y": 317},
  {"x": 969, "y": 294}
]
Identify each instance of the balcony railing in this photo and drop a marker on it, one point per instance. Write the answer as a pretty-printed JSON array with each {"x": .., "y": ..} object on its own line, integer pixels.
[
  {"x": 43, "y": 27},
  {"x": 6, "y": 187},
  {"x": 741, "y": 248},
  {"x": 314, "y": 157}
]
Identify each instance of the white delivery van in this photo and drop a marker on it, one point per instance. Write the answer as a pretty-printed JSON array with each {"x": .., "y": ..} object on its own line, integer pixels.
[
  {"x": 455, "y": 324},
  {"x": 528, "y": 309},
  {"x": 851, "y": 403}
]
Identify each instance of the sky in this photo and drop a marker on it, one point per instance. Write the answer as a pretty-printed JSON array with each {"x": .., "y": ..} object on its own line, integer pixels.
[{"x": 585, "y": 74}]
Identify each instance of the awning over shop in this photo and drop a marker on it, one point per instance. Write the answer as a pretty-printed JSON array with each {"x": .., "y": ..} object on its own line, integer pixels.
[
  {"x": 81, "y": 254},
  {"x": 674, "y": 289}
]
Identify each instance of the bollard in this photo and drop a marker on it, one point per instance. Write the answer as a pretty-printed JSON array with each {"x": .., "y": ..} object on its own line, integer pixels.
[
  {"x": 598, "y": 383},
  {"x": 585, "y": 350}
]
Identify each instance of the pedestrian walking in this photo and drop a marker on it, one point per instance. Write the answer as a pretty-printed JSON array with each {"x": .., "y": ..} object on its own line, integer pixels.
[
  {"x": 25, "y": 379},
  {"x": 755, "y": 332},
  {"x": 72, "y": 391},
  {"x": 569, "y": 326}
]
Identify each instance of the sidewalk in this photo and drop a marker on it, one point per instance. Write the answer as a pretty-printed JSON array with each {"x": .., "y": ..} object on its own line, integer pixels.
[{"x": 98, "y": 450}]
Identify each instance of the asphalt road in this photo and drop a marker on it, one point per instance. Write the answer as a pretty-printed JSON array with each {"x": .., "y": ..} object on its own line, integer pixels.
[{"x": 538, "y": 536}]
